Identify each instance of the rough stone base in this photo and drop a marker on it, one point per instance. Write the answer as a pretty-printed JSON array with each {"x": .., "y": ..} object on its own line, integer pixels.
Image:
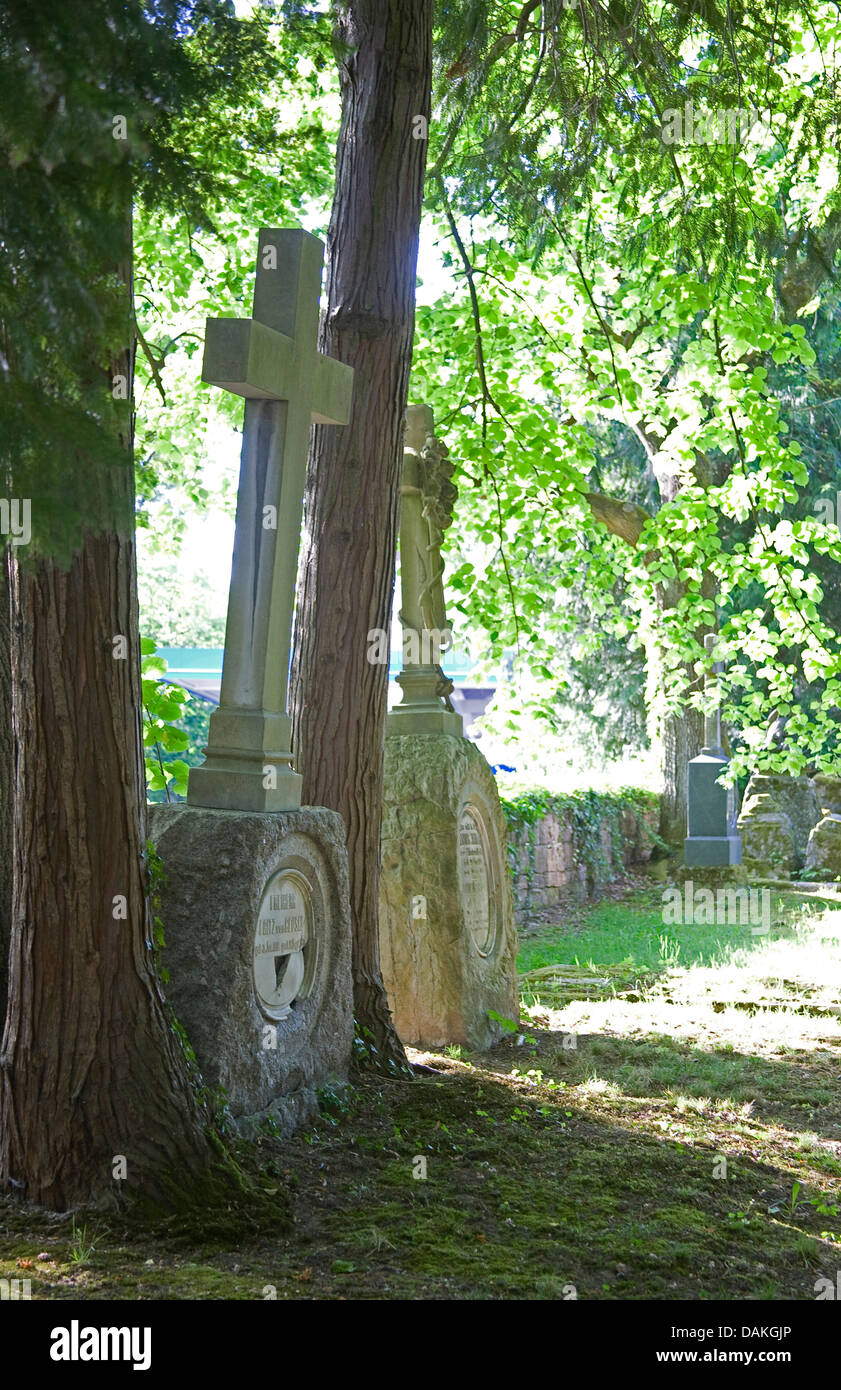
[
  {"x": 793, "y": 797},
  {"x": 710, "y": 876},
  {"x": 440, "y": 986},
  {"x": 217, "y": 865},
  {"x": 828, "y": 792},
  {"x": 823, "y": 853},
  {"x": 767, "y": 837}
]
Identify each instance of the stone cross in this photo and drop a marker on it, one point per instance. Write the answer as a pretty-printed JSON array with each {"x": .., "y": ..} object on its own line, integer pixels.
[
  {"x": 427, "y": 497},
  {"x": 712, "y": 714},
  {"x": 711, "y": 808},
  {"x": 272, "y": 360}
]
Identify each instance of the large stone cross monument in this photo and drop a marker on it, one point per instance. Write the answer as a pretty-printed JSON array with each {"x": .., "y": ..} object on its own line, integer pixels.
[
  {"x": 255, "y": 902},
  {"x": 271, "y": 360},
  {"x": 447, "y": 937}
]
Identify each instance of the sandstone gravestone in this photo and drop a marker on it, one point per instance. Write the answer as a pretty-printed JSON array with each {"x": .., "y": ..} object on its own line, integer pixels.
[
  {"x": 767, "y": 837},
  {"x": 778, "y": 808},
  {"x": 823, "y": 852},
  {"x": 828, "y": 792},
  {"x": 255, "y": 914},
  {"x": 447, "y": 937},
  {"x": 255, "y": 902},
  {"x": 427, "y": 497}
]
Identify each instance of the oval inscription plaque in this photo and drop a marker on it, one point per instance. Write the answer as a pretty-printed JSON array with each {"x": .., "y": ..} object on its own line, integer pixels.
[
  {"x": 474, "y": 880},
  {"x": 284, "y": 921}
]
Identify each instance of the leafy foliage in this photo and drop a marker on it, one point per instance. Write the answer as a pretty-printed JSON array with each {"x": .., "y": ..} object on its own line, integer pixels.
[
  {"x": 75, "y": 150},
  {"x": 589, "y": 814},
  {"x": 163, "y": 707}
]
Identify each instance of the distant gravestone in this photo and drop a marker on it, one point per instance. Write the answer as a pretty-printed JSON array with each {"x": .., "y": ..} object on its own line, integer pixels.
[
  {"x": 447, "y": 937},
  {"x": 255, "y": 903},
  {"x": 711, "y": 841}
]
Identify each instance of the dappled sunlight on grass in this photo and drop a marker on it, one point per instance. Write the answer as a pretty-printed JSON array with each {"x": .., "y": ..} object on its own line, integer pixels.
[
  {"x": 678, "y": 1137},
  {"x": 633, "y": 933}
]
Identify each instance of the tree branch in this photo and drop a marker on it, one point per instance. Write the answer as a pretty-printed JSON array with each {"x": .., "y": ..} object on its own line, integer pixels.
[{"x": 623, "y": 519}]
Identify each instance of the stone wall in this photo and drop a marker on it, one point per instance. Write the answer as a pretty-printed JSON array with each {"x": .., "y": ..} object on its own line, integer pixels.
[{"x": 566, "y": 846}]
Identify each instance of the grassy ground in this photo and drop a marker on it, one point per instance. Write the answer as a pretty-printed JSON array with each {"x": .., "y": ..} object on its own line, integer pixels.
[{"x": 675, "y": 1134}]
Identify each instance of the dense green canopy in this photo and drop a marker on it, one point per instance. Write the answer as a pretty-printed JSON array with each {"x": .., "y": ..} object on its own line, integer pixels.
[{"x": 636, "y": 367}]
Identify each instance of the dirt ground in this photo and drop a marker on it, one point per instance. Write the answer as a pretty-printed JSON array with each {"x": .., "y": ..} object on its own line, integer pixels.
[{"x": 680, "y": 1140}]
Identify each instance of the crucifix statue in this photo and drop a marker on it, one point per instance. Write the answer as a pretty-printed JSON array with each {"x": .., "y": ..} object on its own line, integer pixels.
[
  {"x": 272, "y": 360},
  {"x": 427, "y": 497}
]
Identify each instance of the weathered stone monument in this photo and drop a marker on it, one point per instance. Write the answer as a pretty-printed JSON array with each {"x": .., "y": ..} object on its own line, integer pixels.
[
  {"x": 255, "y": 903},
  {"x": 447, "y": 937},
  {"x": 777, "y": 816},
  {"x": 823, "y": 849},
  {"x": 711, "y": 840},
  {"x": 828, "y": 792},
  {"x": 427, "y": 497},
  {"x": 823, "y": 852}
]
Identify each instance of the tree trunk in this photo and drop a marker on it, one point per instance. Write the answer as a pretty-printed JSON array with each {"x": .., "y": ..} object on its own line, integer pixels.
[
  {"x": 681, "y": 737},
  {"x": 96, "y": 1100},
  {"x": 90, "y": 1068},
  {"x": 7, "y": 779},
  {"x": 681, "y": 734},
  {"x": 353, "y": 484}
]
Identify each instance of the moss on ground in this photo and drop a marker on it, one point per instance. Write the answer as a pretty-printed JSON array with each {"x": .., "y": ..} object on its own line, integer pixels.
[{"x": 669, "y": 1145}]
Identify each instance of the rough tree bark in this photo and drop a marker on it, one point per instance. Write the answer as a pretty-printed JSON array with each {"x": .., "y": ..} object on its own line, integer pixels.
[
  {"x": 353, "y": 494},
  {"x": 6, "y": 785},
  {"x": 90, "y": 1068}
]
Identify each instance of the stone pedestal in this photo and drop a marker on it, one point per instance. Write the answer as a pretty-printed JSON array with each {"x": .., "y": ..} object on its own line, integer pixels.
[
  {"x": 448, "y": 942},
  {"x": 710, "y": 841},
  {"x": 422, "y": 710},
  {"x": 712, "y": 876},
  {"x": 257, "y": 945}
]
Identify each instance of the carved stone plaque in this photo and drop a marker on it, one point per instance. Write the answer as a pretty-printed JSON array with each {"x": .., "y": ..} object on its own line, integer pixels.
[
  {"x": 474, "y": 879},
  {"x": 284, "y": 925}
]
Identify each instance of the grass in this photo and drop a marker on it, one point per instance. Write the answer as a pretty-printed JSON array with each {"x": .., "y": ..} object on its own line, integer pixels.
[
  {"x": 677, "y": 1141},
  {"x": 614, "y": 933}
]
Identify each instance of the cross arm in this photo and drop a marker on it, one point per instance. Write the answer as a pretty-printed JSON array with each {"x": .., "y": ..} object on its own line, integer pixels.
[
  {"x": 250, "y": 359},
  {"x": 247, "y": 358},
  {"x": 332, "y": 391}
]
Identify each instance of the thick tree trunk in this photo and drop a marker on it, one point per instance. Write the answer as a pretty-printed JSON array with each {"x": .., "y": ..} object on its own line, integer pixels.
[
  {"x": 681, "y": 738},
  {"x": 353, "y": 484},
  {"x": 96, "y": 1101},
  {"x": 681, "y": 735},
  {"x": 91, "y": 1070},
  {"x": 7, "y": 776}
]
